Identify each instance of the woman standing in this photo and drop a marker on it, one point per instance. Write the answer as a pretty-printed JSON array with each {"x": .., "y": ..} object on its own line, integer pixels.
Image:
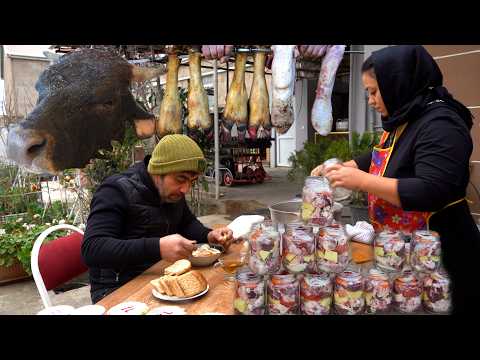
[{"x": 416, "y": 177}]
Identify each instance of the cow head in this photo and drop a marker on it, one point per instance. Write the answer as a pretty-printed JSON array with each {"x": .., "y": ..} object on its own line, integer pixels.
[{"x": 84, "y": 103}]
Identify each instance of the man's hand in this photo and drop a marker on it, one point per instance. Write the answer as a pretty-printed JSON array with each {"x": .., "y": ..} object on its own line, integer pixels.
[
  {"x": 175, "y": 247},
  {"x": 346, "y": 177},
  {"x": 312, "y": 52},
  {"x": 217, "y": 52},
  {"x": 222, "y": 236}
]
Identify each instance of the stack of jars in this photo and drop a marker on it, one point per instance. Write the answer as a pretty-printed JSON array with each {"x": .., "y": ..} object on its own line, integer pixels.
[{"x": 414, "y": 269}]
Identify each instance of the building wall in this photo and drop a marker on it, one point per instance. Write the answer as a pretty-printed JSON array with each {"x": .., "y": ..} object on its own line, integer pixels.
[
  {"x": 21, "y": 74},
  {"x": 460, "y": 65}
]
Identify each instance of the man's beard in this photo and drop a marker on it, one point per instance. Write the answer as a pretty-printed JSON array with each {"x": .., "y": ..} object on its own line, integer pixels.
[{"x": 173, "y": 199}]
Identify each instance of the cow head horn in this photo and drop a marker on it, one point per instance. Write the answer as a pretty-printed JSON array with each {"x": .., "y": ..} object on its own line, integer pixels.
[{"x": 140, "y": 74}]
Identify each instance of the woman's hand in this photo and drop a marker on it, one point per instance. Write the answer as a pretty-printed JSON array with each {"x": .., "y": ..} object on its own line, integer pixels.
[
  {"x": 318, "y": 171},
  {"x": 346, "y": 177}
]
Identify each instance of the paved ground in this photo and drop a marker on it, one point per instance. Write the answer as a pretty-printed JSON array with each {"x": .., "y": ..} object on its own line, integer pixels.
[{"x": 22, "y": 298}]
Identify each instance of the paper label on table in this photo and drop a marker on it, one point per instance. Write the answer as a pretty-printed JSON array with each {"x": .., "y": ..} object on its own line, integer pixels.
[{"x": 331, "y": 256}]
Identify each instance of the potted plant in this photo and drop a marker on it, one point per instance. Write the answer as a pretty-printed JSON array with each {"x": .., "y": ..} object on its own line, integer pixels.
[{"x": 17, "y": 236}]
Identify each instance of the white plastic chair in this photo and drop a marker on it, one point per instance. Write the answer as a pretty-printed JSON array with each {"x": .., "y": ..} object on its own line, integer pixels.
[{"x": 34, "y": 260}]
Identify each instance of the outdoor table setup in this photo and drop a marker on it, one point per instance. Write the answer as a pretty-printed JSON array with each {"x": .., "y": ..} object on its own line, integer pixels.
[{"x": 302, "y": 270}]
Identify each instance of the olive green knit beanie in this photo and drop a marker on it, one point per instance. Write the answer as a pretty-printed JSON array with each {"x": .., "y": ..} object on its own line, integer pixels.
[{"x": 176, "y": 153}]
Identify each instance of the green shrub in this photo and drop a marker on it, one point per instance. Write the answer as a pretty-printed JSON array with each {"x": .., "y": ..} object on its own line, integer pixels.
[{"x": 314, "y": 154}]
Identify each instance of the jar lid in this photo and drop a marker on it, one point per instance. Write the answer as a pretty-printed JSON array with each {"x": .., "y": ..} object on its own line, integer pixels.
[
  {"x": 389, "y": 233},
  {"x": 426, "y": 236},
  {"x": 283, "y": 278},
  {"x": 332, "y": 161},
  {"x": 350, "y": 275},
  {"x": 440, "y": 276},
  {"x": 299, "y": 226},
  {"x": 248, "y": 276},
  {"x": 320, "y": 279},
  {"x": 377, "y": 274},
  {"x": 407, "y": 276}
]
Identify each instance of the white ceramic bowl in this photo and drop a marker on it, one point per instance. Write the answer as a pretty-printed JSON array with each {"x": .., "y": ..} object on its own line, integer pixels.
[{"x": 204, "y": 260}]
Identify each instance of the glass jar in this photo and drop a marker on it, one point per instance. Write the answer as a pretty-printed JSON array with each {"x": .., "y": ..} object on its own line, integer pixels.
[
  {"x": 332, "y": 249},
  {"x": 283, "y": 295},
  {"x": 407, "y": 292},
  {"x": 348, "y": 293},
  {"x": 316, "y": 291},
  {"x": 264, "y": 241},
  {"x": 425, "y": 251},
  {"x": 378, "y": 292},
  {"x": 317, "y": 201},
  {"x": 390, "y": 250},
  {"x": 298, "y": 251},
  {"x": 249, "y": 294},
  {"x": 436, "y": 292}
]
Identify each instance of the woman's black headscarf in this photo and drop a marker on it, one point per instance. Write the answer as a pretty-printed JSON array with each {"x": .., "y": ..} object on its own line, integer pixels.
[{"x": 409, "y": 79}]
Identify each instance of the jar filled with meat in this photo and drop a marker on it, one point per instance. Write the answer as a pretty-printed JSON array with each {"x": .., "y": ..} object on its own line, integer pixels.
[
  {"x": 378, "y": 292},
  {"x": 249, "y": 294},
  {"x": 317, "y": 205},
  {"x": 316, "y": 292},
  {"x": 332, "y": 249},
  {"x": 264, "y": 241},
  {"x": 283, "y": 295},
  {"x": 426, "y": 250},
  {"x": 298, "y": 248},
  {"x": 348, "y": 293},
  {"x": 407, "y": 292},
  {"x": 436, "y": 292},
  {"x": 390, "y": 251}
]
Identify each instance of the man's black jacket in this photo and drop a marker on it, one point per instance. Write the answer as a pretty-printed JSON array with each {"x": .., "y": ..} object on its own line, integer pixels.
[{"x": 127, "y": 219}]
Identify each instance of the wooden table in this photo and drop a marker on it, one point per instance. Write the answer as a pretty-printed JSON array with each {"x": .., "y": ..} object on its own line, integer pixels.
[{"x": 218, "y": 299}]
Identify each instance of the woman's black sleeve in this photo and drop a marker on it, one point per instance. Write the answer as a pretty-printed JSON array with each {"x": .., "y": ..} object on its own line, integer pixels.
[
  {"x": 363, "y": 161},
  {"x": 441, "y": 159}
]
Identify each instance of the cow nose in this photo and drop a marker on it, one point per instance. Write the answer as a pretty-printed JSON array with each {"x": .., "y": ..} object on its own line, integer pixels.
[
  {"x": 24, "y": 145},
  {"x": 36, "y": 147}
]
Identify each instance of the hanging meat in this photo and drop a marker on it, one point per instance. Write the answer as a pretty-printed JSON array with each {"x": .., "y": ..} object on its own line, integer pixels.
[
  {"x": 259, "y": 120},
  {"x": 198, "y": 111},
  {"x": 170, "y": 119},
  {"x": 283, "y": 83},
  {"x": 322, "y": 107},
  {"x": 236, "y": 107}
]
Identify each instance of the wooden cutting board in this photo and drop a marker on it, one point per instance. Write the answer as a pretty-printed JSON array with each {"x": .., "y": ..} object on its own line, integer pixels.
[{"x": 361, "y": 253}]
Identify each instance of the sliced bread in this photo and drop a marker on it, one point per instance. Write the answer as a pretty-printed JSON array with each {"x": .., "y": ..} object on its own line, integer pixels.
[
  {"x": 178, "y": 267},
  {"x": 192, "y": 283},
  {"x": 172, "y": 282},
  {"x": 156, "y": 283}
]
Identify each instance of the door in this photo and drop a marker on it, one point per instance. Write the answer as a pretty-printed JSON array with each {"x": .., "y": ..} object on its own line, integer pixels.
[
  {"x": 285, "y": 146},
  {"x": 286, "y": 143}
]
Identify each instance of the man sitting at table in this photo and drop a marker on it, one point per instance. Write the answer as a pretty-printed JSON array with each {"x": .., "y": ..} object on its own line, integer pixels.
[{"x": 140, "y": 216}]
